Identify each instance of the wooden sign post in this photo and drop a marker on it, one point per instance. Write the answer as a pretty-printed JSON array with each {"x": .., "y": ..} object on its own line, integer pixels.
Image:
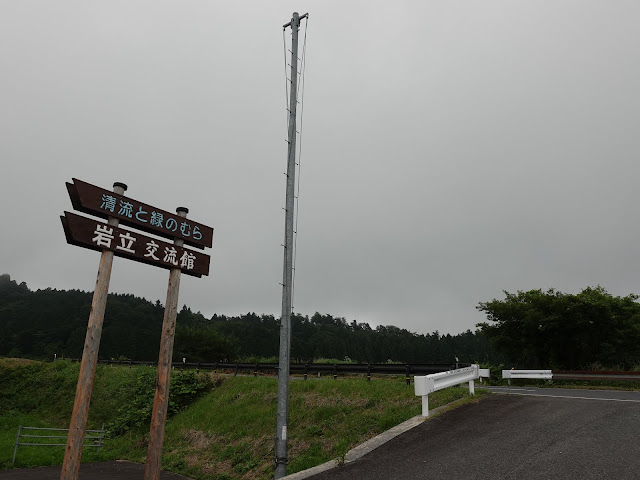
[
  {"x": 78, "y": 424},
  {"x": 112, "y": 240},
  {"x": 161, "y": 400}
]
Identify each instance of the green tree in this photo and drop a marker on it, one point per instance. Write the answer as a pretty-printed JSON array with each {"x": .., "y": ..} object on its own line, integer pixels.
[
  {"x": 202, "y": 344},
  {"x": 43, "y": 323},
  {"x": 558, "y": 330}
]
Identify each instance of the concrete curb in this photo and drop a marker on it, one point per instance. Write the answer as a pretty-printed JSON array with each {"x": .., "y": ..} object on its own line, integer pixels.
[{"x": 370, "y": 445}]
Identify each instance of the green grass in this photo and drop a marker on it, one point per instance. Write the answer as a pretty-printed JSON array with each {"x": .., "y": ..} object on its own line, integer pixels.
[
  {"x": 229, "y": 433},
  {"x": 36, "y": 394},
  {"x": 224, "y": 435}
]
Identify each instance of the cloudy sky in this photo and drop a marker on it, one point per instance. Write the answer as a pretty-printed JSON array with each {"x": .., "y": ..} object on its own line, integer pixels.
[{"x": 450, "y": 150}]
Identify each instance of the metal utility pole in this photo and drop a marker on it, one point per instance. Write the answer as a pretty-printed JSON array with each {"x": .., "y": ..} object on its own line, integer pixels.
[{"x": 287, "y": 275}]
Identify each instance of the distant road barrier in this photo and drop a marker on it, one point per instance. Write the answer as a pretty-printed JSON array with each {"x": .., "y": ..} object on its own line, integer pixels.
[
  {"x": 42, "y": 437},
  {"x": 527, "y": 374},
  {"x": 427, "y": 384},
  {"x": 584, "y": 375},
  {"x": 383, "y": 369},
  {"x": 306, "y": 369},
  {"x": 607, "y": 376}
]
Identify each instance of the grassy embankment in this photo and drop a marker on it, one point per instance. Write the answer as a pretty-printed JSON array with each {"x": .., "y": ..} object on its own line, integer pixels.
[{"x": 225, "y": 426}]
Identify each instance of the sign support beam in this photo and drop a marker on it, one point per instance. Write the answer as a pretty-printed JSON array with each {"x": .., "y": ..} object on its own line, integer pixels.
[
  {"x": 78, "y": 424},
  {"x": 160, "y": 404}
]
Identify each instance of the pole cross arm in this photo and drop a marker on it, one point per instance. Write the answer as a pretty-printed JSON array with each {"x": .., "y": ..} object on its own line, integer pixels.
[{"x": 306, "y": 15}]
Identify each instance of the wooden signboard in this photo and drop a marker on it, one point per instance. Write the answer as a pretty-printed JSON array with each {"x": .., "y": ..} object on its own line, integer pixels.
[
  {"x": 110, "y": 240},
  {"x": 97, "y": 235},
  {"x": 103, "y": 203}
]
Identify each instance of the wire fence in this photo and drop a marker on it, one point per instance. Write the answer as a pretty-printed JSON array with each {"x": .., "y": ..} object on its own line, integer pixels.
[{"x": 43, "y": 437}]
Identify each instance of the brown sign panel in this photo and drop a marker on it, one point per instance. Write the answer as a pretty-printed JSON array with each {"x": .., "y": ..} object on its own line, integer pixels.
[
  {"x": 97, "y": 235},
  {"x": 103, "y": 203}
]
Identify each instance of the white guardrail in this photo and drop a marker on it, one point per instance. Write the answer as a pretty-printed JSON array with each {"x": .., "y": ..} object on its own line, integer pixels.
[
  {"x": 424, "y": 385},
  {"x": 530, "y": 374}
]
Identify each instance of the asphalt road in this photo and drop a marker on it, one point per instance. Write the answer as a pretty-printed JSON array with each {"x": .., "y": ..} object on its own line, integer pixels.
[
  {"x": 119, "y": 470},
  {"x": 523, "y": 435},
  {"x": 576, "y": 393}
]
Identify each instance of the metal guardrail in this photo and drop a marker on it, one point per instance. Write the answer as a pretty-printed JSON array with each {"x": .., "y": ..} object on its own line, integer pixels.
[
  {"x": 529, "y": 374},
  {"x": 607, "y": 376},
  {"x": 308, "y": 368},
  {"x": 583, "y": 375},
  {"x": 375, "y": 369},
  {"x": 34, "y": 440},
  {"x": 437, "y": 381}
]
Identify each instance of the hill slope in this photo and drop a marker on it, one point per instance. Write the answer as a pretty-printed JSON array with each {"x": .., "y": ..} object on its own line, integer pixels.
[{"x": 223, "y": 430}]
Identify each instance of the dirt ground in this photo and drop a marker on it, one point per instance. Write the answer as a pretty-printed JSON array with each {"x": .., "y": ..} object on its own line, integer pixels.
[{"x": 118, "y": 470}]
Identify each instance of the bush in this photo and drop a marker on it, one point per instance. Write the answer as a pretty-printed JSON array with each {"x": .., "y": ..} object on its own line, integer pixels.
[{"x": 136, "y": 411}]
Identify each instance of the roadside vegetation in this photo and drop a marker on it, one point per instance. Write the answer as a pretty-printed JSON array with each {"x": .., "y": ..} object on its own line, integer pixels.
[
  {"x": 562, "y": 331},
  {"x": 220, "y": 428}
]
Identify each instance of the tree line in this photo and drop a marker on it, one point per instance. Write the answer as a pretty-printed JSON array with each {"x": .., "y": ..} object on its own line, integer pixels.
[
  {"x": 532, "y": 329},
  {"x": 550, "y": 329},
  {"x": 43, "y": 323}
]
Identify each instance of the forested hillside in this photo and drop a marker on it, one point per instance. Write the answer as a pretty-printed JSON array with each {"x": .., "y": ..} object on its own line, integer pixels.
[{"x": 38, "y": 324}]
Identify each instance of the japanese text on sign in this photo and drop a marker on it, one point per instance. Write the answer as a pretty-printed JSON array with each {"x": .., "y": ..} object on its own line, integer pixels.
[
  {"x": 97, "y": 201},
  {"x": 93, "y": 234},
  {"x": 104, "y": 236},
  {"x": 130, "y": 210}
]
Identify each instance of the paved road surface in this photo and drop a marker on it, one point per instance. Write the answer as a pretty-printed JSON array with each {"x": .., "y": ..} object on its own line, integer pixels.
[
  {"x": 602, "y": 395},
  {"x": 529, "y": 433},
  {"x": 513, "y": 437},
  {"x": 92, "y": 471}
]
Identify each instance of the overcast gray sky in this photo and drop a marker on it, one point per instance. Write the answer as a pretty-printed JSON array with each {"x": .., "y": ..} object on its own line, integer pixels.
[{"x": 450, "y": 150}]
